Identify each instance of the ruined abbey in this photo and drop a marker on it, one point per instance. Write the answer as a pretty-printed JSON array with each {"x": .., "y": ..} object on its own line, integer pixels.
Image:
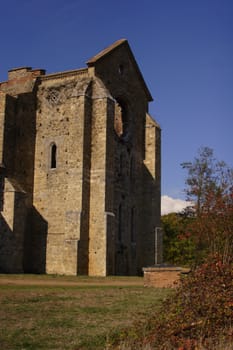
[{"x": 79, "y": 169}]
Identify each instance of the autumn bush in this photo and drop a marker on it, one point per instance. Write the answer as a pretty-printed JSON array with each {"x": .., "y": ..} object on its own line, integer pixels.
[{"x": 199, "y": 315}]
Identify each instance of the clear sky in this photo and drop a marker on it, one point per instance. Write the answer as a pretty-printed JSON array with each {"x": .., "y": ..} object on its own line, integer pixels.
[{"x": 184, "y": 49}]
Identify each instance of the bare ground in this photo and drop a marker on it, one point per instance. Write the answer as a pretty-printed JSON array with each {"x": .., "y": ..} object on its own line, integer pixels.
[{"x": 46, "y": 280}]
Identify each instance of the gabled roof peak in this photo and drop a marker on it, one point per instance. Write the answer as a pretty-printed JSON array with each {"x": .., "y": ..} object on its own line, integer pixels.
[
  {"x": 92, "y": 62},
  {"x": 107, "y": 50}
]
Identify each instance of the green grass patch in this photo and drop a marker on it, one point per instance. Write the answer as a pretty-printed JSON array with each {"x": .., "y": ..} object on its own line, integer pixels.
[{"x": 71, "y": 317}]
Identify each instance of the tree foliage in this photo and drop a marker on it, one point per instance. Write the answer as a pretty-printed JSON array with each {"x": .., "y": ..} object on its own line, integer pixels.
[
  {"x": 179, "y": 247},
  {"x": 210, "y": 188},
  {"x": 206, "y": 228}
]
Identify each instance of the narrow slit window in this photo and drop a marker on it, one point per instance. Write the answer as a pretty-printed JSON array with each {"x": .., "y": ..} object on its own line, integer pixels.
[{"x": 53, "y": 163}]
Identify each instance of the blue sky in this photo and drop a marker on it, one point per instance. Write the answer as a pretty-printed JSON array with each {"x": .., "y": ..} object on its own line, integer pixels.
[{"x": 184, "y": 49}]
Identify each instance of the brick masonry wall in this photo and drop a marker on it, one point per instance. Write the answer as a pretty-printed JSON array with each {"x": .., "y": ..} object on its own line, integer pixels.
[{"x": 161, "y": 277}]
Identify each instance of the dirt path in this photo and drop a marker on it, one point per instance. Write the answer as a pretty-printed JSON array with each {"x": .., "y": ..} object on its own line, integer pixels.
[{"x": 25, "y": 280}]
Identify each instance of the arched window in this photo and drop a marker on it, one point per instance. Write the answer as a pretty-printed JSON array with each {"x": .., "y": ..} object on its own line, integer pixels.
[{"x": 53, "y": 156}]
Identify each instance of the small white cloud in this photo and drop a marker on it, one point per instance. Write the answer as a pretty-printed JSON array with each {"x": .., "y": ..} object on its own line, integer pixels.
[{"x": 172, "y": 205}]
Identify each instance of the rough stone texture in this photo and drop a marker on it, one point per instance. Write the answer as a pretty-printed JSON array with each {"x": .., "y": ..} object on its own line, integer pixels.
[{"x": 79, "y": 169}]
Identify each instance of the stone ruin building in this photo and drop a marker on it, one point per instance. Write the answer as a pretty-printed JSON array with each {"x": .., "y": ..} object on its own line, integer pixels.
[{"x": 79, "y": 169}]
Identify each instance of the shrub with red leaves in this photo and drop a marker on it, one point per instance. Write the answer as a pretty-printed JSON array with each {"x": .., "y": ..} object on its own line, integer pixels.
[
  {"x": 197, "y": 316},
  {"x": 200, "y": 313}
]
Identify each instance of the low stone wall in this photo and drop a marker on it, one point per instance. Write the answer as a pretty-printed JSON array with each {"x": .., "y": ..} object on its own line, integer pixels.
[{"x": 161, "y": 276}]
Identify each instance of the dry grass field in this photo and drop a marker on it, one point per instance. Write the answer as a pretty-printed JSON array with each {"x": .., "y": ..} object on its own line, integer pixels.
[{"x": 70, "y": 313}]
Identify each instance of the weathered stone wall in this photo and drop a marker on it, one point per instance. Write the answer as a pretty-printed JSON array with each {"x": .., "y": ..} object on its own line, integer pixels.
[
  {"x": 14, "y": 199},
  {"x": 82, "y": 160},
  {"x": 12, "y": 228},
  {"x": 2, "y": 167},
  {"x": 83, "y": 244},
  {"x": 21, "y": 80},
  {"x": 152, "y": 239},
  {"x": 58, "y": 189},
  {"x": 2, "y": 122},
  {"x": 25, "y": 131},
  {"x": 101, "y": 186},
  {"x": 18, "y": 161},
  {"x": 9, "y": 136},
  {"x": 134, "y": 185},
  {"x": 18, "y": 118}
]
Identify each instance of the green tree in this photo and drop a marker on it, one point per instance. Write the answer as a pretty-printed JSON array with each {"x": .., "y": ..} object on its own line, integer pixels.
[
  {"x": 178, "y": 245},
  {"x": 210, "y": 188}
]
